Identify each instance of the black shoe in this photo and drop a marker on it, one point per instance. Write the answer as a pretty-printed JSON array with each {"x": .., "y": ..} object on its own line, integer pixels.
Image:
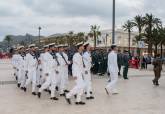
[
  {"x": 77, "y": 103},
  {"x": 67, "y": 100},
  {"x": 81, "y": 103},
  {"x": 49, "y": 91},
  {"x": 18, "y": 85},
  {"x": 106, "y": 91},
  {"x": 46, "y": 90},
  {"x": 54, "y": 98},
  {"x": 157, "y": 83},
  {"x": 91, "y": 97},
  {"x": 62, "y": 94},
  {"x": 39, "y": 86},
  {"x": 24, "y": 89},
  {"x": 57, "y": 88},
  {"x": 153, "y": 82},
  {"x": 87, "y": 98},
  {"x": 34, "y": 93},
  {"x": 66, "y": 91},
  {"x": 39, "y": 94},
  {"x": 125, "y": 78}
]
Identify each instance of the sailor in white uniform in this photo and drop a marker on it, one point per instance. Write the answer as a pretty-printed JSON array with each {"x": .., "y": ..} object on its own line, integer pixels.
[
  {"x": 21, "y": 67},
  {"x": 31, "y": 67},
  {"x": 50, "y": 72},
  {"x": 113, "y": 69},
  {"x": 87, "y": 73},
  {"x": 14, "y": 62},
  {"x": 63, "y": 69},
  {"x": 77, "y": 71}
]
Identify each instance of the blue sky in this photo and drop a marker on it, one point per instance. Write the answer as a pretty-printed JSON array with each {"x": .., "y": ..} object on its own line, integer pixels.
[{"x": 19, "y": 17}]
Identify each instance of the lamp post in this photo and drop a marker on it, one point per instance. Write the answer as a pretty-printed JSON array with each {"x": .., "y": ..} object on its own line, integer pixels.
[
  {"x": 39, "y": 30},
  {"x": 113, "y": 23},
  {"x": 106, "y": 36}
]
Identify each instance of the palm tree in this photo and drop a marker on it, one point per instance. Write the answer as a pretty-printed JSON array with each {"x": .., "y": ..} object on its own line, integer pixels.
[
  {"x": 156, "y": 34},
  {"x": 70, "y": 38},
  {"x": 81, "y": 37},
  {"x": 162, "y": 35},
  {"x": 128, "y": 26},
  {"x": 94, "y": 33},
  {"x": 138, "y": 22},
  {"x": 8, "y": 39},
  {"x": 150, "y": 23}
]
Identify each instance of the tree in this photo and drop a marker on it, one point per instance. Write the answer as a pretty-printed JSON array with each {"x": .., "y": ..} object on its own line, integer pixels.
[
  {"x": 156, "y": 35},
  {"x": 8, "y": 39},
  {"x": 95, "y": 33},
  {"x": 70, "y": 38},
  {"x": 128, "y": 26},
  {"x": 150, "y": 23},
  {"x": 80, "y": 37},
  {"x": 138, "y": 22},
  {"x": 162, "y": 35}
]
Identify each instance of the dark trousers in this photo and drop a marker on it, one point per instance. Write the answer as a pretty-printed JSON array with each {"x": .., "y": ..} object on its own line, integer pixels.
[
  {"x": 125, "y": 72},
  {"x": 119, "y": 66},
  {"x": 157, "y": 75}
]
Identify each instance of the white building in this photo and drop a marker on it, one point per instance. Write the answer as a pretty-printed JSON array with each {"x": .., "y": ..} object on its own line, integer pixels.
[{"x": 121, "y": 38}]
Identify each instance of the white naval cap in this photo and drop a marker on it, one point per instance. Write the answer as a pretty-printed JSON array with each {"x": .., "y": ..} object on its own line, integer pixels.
[
  {"x": 36, "y": 47},
  {"x": 51, "y": 44},
  {"x": 86, "y": 43},
  {"x": 81, "y": 43},
  {"x": 61, "y": 45},
  {"x": 45, "y": 46},
  {"x": 20, "y": 47},
  {"x": 31, "y": 45}
]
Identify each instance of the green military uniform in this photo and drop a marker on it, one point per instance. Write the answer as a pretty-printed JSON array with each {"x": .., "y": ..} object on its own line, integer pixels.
[
  {"x": 125, "y": 64},
  {"x": 95, "y": 65},
  {"x": 157, "y": 62},
  {"x": 101, "y": 63},
  {"x": 119, "y": 61}
]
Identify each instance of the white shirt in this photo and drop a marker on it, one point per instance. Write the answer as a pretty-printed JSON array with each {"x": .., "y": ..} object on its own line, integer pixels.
[
  {"x": 21, "y": 62},
  {"x": 61, "y": 59},
  {"x": 112, "y": 62},
  {"x": 31, "y": 62},
  {"x": 14, "y": 60},
  {"x": 77, "y": 67},
  {"x": 48, "y": 62},
  {"x": 87, "y": 60}
]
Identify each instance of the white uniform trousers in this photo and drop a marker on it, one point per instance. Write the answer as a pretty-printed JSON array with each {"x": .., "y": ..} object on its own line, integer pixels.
[
  {"x": 78, "y": 89},
  {"x": 88, "y": 83},
  {"x": 21, "y": 75},
  {"x": 38, "y": 75},
  {"x": 31, "y": 78},
  {"x": 51, "y": 82},
  {"x": 23, "y": 78},
  {"x": 111, "y": 87},
  {"x": 63, "y": 79}
]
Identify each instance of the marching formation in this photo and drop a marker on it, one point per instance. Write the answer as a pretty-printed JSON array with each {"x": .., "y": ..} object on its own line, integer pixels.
[{"x": 47, "y": 70}]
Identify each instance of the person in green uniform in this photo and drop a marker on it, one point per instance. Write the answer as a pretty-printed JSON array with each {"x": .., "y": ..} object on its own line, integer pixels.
[
  {"x": 119, "y": 61},
  {"x": 125, "y": 64},
  {"x": 157, "y": 62}
]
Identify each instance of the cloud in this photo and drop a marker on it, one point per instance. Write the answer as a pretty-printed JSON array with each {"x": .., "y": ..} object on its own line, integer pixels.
[{"x": 56, "y": 16}]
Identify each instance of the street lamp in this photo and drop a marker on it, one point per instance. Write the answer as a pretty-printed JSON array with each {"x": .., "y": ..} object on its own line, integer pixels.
[
  {"x": 106, "y": 36},
  {"x": 39, "y": 28},
  {"x": 113, "y": 23}
]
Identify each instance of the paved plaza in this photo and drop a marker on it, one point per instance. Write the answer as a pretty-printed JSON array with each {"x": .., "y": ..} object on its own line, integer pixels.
[{"x": 136, "y": 96}]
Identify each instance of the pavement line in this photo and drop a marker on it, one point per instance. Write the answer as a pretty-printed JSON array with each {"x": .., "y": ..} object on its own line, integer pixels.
[{"x": 7, "y": 82}]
